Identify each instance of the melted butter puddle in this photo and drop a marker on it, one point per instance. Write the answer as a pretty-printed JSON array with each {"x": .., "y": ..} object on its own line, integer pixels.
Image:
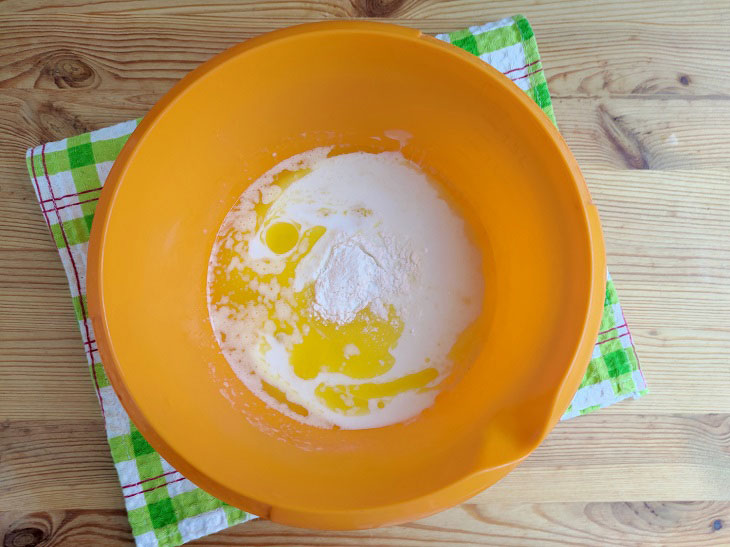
[
  {"x": 355, "y": 399},
  {"x": 281, "y": 237}
]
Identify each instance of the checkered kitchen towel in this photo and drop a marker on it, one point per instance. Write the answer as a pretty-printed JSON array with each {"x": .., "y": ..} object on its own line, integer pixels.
[{"x": 164, "y": 507}]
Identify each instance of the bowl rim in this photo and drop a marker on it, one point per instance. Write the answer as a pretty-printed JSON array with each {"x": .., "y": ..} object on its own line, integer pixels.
[{"x": 402, "y": 511}]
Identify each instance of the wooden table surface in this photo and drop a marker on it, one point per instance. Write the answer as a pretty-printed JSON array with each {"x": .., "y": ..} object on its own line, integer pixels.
[{"x": 642, "y": 94}]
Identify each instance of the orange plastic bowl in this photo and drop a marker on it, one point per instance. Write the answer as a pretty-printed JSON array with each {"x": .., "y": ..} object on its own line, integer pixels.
[{"x": 343, "y": 83}]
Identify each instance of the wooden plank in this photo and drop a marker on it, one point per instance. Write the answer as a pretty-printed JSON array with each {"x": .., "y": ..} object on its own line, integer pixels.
[
  {"x": 50, "y": 465},
  {"x": 664, "y": 523},
  {"x": 630, "y": 59},
  {"x": 645, "y": 134},
  {"x": 54, "y": 465},
  {"x": 44, "y": 375},
  {"x": 585, "y": 59},
  {"x": 668, "y": 251},
  {"x": 582, "y": 59},
  {"x": 554, "y": 11}
]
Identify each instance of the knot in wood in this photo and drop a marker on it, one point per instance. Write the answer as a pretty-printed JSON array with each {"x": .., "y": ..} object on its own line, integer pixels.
[
  {"x": 376, "y": 8},
  {"x": 24, "y": 537},
  {"x": 68, "y": 71}
]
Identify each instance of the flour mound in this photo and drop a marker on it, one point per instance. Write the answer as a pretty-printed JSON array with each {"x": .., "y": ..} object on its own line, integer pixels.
[{"x": 360, "y": 272}]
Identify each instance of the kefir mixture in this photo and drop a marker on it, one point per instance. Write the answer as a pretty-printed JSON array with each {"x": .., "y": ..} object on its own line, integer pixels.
[{"x": 341, "y": 289}]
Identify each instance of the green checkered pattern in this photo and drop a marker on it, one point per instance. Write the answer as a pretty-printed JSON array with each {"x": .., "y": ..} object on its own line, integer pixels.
[
  {"x": 164, "y": 507},
  {"x": 509, "y": 46}
]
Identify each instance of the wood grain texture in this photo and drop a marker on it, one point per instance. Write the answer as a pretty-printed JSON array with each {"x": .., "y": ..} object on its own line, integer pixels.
[
  {"x": 642, "y": 94},
  {"x": 462, "y": 12},
  {"x": 599, "y": 457},
  {"x": 502, "y": 524}
]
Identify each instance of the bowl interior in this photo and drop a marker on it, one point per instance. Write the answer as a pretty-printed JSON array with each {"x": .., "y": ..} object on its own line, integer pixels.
[{"x": 348, "y": 86}]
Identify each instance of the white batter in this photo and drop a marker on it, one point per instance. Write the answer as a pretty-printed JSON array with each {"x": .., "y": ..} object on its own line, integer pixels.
[{"x": 338, "y": 287}]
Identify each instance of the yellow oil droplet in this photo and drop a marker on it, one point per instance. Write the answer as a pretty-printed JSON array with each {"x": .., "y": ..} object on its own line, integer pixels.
[
  {"x": 280, "y": 396},
  {"x": 281, "y": 237},
  {"x": 327, "y": 346},
  {"x": 354, "y": 399}
]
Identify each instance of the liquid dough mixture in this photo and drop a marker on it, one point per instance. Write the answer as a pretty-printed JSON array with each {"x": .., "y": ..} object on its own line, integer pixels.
[{"x": 341, "y": 289}]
